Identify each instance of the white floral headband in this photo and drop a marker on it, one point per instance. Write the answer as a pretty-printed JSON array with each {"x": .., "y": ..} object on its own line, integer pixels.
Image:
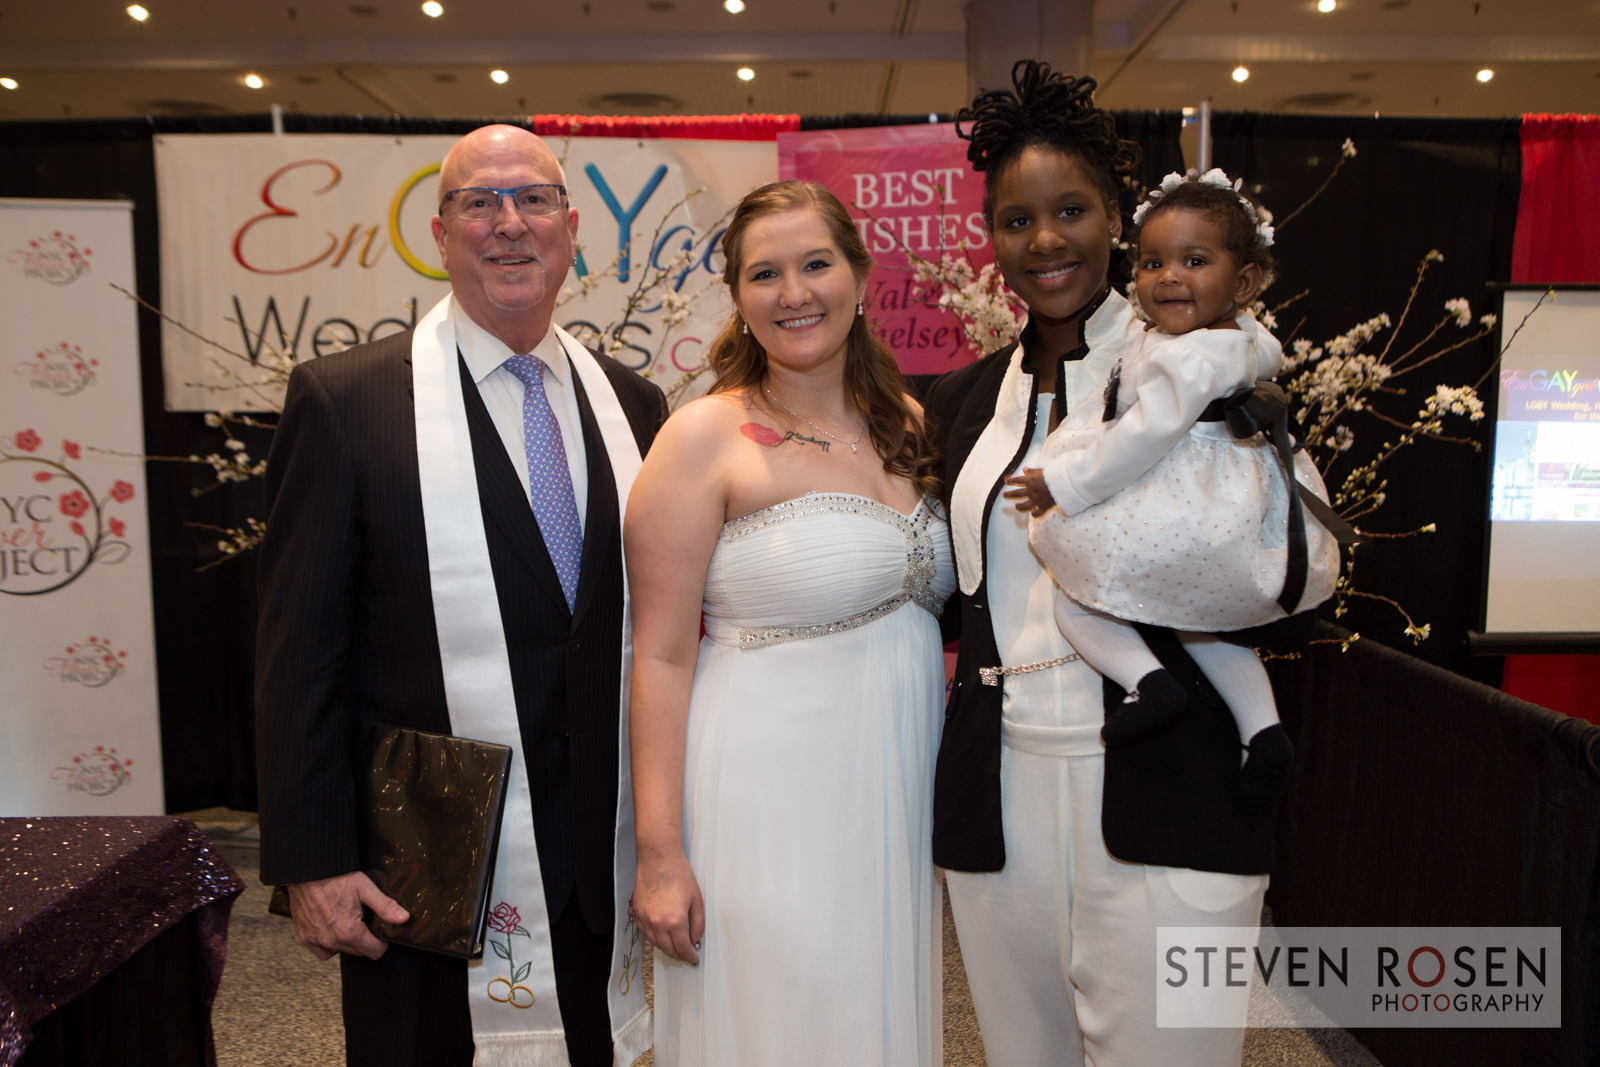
[{"x": 1260, "y": 216}]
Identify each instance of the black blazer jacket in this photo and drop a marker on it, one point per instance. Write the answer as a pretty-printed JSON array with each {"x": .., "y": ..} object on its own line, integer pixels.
[
  {"x": 347, "y": 631},
  {"x": 1167, "y": 800}
]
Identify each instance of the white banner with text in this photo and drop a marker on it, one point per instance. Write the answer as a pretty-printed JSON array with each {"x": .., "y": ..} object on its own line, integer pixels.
[
  {"x": 294, "y": 246},
  {"x": 80, "y": 733}
]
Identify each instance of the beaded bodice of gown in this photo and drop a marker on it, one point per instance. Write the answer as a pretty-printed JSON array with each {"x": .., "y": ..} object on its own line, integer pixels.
[{"x": 820, "y": 564}]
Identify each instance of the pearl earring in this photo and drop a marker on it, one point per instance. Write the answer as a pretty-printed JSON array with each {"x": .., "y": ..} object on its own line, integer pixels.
[
  {"x": 744, "y": 327},
  {"x": 859, "y": 309}
]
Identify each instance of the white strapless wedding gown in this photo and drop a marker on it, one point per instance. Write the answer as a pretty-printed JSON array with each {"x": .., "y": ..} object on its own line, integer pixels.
[{"x": 808, "y": 794}]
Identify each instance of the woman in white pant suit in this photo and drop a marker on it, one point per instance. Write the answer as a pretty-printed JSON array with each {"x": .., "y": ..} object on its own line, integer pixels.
[{"x": 1064, "y": 858}]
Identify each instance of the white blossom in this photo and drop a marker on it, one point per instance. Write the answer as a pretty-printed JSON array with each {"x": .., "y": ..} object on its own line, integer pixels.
[
  {"x": 675, "y": 308},
  {"x": 1348, "y": 149},
  {"x": 989, "y": 314},
  {"x": 1460, "y": 310},
  {"x": 1453, "y": 400}
]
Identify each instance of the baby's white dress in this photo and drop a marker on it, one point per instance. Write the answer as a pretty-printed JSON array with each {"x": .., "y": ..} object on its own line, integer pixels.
[{"x": 1165, "y": 520}]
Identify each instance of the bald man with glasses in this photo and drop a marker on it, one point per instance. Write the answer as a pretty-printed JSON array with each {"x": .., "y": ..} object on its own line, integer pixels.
[{"x": 443, "y": 552}]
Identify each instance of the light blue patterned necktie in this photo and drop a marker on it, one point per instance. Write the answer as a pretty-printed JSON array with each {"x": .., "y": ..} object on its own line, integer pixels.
[{"x": 549, "y": 477}]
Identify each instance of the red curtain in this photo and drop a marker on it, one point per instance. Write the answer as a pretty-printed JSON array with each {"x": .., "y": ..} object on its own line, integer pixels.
[
  {"x": 703, "y": 127},
  {"x": 1558, "y": 228},
  {"x": 1558, "y": 240}
]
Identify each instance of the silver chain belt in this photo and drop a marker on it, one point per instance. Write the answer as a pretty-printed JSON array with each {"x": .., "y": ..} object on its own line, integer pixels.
[{"x": 992, "y": 675}]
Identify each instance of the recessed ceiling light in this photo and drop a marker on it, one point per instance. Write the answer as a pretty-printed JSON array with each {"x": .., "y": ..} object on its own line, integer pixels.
[
  {"x": 8, "y": 83},
  {"x": 433, "y": 9},
  {"x": 745, "y": 74},
  {"x": 1326, "y": 6},
  {"x": 1241, "y": 74},
  {"x": 1485, "y": 75},
  {"x": 499, "y": 77},
  {"x": 733, "y": 6},
  {"x": 137, "y": 13},
  {"x": 253, "y": 81}
]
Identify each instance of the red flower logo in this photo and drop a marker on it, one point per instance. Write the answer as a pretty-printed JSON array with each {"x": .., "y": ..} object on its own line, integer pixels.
[
  {"x": 72, "y": 450},
  {"x": 504, "y": 918},
  {"x": 74, "y": 504},
  {"x": 117, "y": 527},
  {"x": 121, "y": 491},
  {"x": 28, "y": 441}
]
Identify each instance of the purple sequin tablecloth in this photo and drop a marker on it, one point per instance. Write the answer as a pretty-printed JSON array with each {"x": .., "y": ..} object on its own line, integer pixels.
[{"x": 80, "y": 896}]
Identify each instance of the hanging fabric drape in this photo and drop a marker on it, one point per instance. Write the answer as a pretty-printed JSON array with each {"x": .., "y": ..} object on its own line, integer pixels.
[
  {"x": 704, "y": 127},
  {"x": 1558, "y": 228}
]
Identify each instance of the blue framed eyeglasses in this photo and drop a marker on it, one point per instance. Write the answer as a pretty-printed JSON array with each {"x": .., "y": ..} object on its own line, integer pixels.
[{"x": 476, "y": 203}]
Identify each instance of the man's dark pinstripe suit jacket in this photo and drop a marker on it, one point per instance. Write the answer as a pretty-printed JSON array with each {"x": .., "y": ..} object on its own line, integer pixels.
[{"x": 347, "y": 628}]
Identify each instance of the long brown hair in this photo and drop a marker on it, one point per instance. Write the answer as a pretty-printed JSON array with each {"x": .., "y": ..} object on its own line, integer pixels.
[{"x": 871, "y": 377}]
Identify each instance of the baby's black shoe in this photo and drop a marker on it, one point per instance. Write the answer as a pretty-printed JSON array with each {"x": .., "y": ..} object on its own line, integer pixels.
[
  {"x": 1265, "y": 773},
  {"x": 1161, "y": 699}
]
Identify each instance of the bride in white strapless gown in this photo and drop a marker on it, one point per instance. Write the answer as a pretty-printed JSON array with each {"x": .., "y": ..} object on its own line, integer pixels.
[
  {"x": 807, "y": 810},
  {"x": 783, "y": 762}
]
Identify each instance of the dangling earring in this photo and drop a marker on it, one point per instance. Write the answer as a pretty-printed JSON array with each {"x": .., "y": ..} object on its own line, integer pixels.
[
  {"x": 860, "y": 311},
  {"x": 744, "y": 327}
]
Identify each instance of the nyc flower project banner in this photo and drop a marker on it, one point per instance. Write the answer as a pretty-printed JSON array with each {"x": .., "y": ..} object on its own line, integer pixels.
[
  {"x": 913, "y": 196},
  {"x": 80, "y": 730},
  {"x": 301, "y": 245}
]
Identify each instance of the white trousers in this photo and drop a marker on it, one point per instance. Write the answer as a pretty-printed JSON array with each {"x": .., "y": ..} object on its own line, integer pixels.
[{"x": 1060, "y": 946}]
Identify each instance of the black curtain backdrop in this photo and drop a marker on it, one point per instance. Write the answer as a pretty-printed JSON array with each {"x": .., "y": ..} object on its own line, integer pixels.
[
  {"x": 1160, "y": 153},
  {"x": 1414, "y": 185}
]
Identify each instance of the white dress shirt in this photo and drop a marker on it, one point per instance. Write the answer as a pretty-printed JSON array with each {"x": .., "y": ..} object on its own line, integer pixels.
[{"x": 502, "y": 393}]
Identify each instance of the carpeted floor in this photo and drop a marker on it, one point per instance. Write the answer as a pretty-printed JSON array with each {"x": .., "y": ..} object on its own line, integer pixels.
[{"x": 279, "y": 1006}]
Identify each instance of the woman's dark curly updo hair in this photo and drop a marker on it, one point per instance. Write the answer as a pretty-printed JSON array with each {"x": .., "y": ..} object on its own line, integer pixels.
[
  {"x": 1046, "y": 109},
  {"x": 1226, "y": 209}
]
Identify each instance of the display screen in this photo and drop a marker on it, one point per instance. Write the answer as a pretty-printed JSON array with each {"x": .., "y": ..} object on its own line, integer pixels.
[{"x": 1544, "y": 529}]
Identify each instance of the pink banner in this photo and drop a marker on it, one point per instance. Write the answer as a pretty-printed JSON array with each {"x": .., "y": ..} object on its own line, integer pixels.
[{"x": 912, "y": 194}]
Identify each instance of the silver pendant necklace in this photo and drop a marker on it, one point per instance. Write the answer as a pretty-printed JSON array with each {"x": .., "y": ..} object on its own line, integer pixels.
[{"x": 795, "y": 414}]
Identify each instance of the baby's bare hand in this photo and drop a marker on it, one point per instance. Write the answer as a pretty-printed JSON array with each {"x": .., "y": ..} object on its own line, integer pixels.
[{"x": 1029, "y": 491}]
